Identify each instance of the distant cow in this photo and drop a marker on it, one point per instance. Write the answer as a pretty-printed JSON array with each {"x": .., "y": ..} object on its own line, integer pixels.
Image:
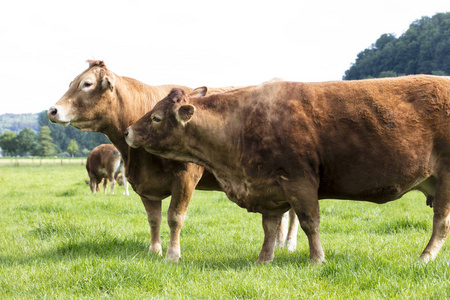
[
  {"x": 286, "y": 144},
  {"x": 99, "y": 100},
  {"x": 105, "y": 163}
]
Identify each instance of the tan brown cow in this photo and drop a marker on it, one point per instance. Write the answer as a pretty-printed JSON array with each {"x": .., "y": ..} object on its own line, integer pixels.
[
  {"x": 286, "y": 144},
  {"x": 99, "y": 100},
  {"x": 105, "y": 163}
]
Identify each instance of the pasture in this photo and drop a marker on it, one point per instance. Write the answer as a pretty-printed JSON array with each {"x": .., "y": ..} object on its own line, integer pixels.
[{"x": 59, "y": 241}]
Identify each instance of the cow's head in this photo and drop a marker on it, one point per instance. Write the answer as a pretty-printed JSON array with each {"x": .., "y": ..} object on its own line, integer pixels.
[
  {"x": 87, "y": 100},
  {"x": 161, "y": 130}
]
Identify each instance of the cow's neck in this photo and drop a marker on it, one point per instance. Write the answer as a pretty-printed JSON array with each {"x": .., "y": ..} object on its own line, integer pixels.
[
  {"x": 218, "y": 139},
  {"x": 132, "y": 100}
]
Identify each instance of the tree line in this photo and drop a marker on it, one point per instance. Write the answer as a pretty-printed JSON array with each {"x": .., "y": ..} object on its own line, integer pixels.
[
  {"x": 423, "y": 49},
  {"x": 51, "y": 140}
]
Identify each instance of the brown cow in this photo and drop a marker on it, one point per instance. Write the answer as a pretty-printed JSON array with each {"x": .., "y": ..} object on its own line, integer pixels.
[
  {"x": 286, "y": 144},
  {"x": 99, "y": 100},
  {"x": 105, "y": 163}
]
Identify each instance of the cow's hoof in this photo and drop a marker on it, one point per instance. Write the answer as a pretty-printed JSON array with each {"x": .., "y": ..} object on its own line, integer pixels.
[
  {"x": 173, "y": 257},
  {"x": 425, "y": 257},
  {"x": 263, "y": 261},
  {"x": 317, "y": 261},
  {"x": 156, "y": 249}
]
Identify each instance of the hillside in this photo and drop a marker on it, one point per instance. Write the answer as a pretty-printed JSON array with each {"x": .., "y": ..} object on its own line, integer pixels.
[{"x": 17, "y": 122}]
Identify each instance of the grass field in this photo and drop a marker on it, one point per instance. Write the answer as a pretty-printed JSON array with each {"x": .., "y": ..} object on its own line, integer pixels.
[{"x": 58, "y": 241}]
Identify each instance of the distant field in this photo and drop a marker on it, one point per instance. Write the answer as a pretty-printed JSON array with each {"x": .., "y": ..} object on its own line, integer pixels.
[
  {"x": 8, "y": 161},
  {"x": 58, "y": 241}
]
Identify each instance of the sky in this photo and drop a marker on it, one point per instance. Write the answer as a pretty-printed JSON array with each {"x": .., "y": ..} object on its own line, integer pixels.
[{"x": 45, "y": 44}]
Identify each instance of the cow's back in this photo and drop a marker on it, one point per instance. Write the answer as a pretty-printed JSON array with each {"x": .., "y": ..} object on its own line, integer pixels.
[{"x": 103, "y": 160}]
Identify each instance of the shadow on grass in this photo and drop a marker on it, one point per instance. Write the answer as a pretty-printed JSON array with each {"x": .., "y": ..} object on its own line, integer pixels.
[
  {"x": 104, "y": 248},
  {"x": 122, "y": 249}
]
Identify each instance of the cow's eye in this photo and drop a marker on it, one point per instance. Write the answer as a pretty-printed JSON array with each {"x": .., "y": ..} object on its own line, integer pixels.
[
  {"x": 156, "y": 119},
  {"x": 87, "y": 84}
]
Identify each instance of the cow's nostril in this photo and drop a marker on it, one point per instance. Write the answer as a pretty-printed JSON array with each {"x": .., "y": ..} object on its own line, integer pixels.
[
  {"x": 53, "y": 111},
  {"x": 126, "y": 132}
]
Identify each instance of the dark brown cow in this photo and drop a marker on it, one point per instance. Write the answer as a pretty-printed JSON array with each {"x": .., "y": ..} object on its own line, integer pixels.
[
  {"x": 286, "y": 144},
  {"x": 99, "y": 100},
  {"x": 105, "y": 163}
]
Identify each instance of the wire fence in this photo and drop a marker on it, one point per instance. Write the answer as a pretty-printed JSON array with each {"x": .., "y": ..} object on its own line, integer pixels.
[{"x": 38, "y": 161}]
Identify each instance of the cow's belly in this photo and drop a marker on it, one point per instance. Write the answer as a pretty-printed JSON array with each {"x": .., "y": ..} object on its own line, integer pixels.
[
  {"x": 256, "y": 195},
  {"x": 150, "y": 187},
  {"x": 378, "y": 186}
]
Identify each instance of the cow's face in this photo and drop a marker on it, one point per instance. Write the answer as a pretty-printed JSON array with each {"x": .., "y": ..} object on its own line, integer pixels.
[
  {"x": 162, "y": 130},
  {"x": 87, "y": 100}
]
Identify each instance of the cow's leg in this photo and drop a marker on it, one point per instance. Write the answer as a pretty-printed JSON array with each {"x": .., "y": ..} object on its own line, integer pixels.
[
  {"x": 282, "y": 231},
  {"x": 441, "y": 218},
  {"x": 271, "y": 224},
  {"x": 125, "y": 184},
  {"x": 182, "y": 190},
  {"x": 303, "y": 197},
  {"x": 287, "y": 232},
  {"x": 113, "y": 185},
  {"x": 291, "y": 239},
  {"x": 105, "y": 184},
  {"x": 94, "y": 185},
  {"x": 153, "y": 209}
]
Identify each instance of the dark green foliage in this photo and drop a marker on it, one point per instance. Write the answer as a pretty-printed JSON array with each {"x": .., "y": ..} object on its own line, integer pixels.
[
  {"x": 423, "y": 49},
  {"x": 45, "y": 145},
  {"x": 26, "y": 142},
  {"x": 8, "y": 142}
]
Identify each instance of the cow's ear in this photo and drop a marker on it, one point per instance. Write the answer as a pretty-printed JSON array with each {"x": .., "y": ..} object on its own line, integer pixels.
[
  {"x": 184, "y": 113},
  {"x": 108, "y": 82},
  {"x": 199, "y": 92}
]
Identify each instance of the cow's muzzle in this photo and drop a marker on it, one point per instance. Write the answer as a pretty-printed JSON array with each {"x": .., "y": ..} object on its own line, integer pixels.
[
  {"x": 55, "y": 116},
  {"x": 128, "y": 133}
]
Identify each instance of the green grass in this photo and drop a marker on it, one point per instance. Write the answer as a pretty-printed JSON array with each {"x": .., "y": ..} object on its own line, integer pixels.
[{"x": 59, "y": 241}]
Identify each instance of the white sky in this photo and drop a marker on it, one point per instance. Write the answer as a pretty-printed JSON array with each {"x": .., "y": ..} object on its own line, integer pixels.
[{"x": 44, "y": 44}]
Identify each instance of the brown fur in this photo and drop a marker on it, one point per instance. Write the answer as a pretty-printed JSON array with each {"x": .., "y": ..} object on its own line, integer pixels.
[
  {"x": 286, "y": 144},
  {"x": 104, "y": 163}
]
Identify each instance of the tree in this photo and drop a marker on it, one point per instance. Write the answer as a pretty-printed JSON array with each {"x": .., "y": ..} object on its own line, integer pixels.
[
  {"x": 45, "y": 145},
  {"x": 26, "y": 142},
  {"x": 8, "y": 142},
  {"x": 72, "y": 147},
  {"x": 85, "y": 151},
  {"x": 423, "y": 49}
]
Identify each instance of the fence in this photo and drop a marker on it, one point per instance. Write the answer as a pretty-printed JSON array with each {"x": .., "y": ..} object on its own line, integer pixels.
[{"x": 38, "y": 161}]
